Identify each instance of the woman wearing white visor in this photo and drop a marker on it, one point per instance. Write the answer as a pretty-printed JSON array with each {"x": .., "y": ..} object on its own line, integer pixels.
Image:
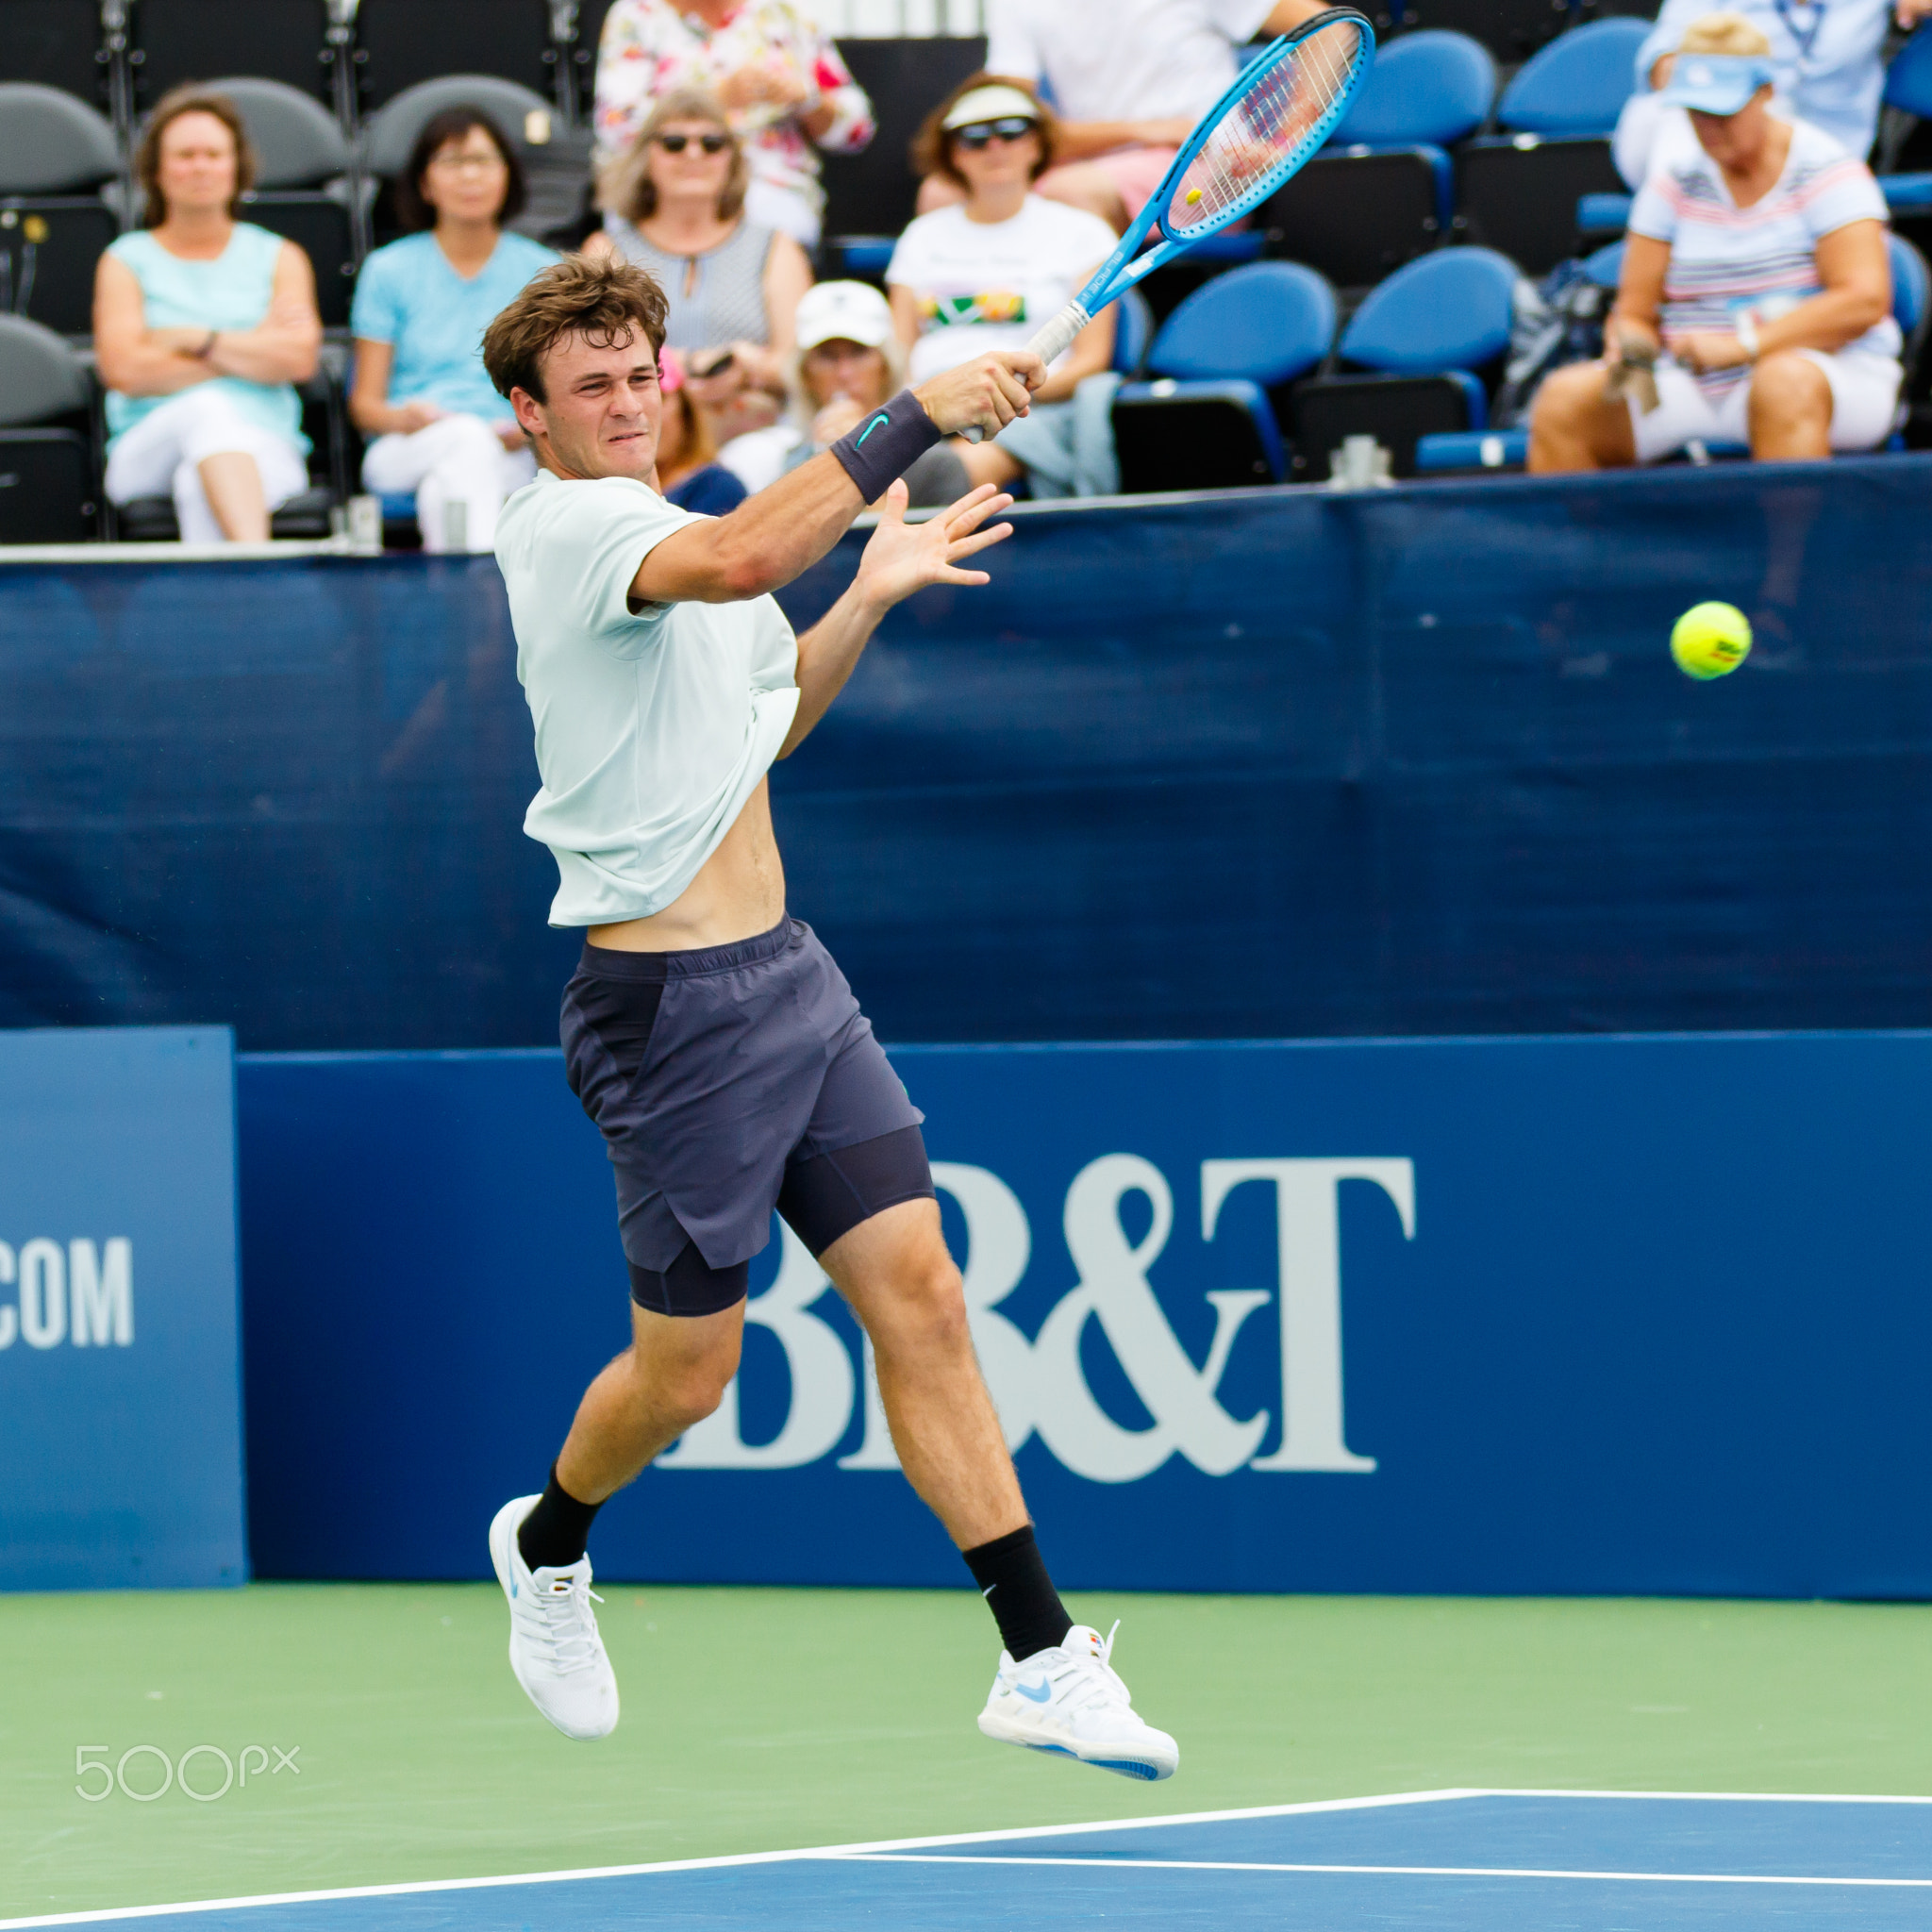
[
  {"x": 986, "y": 272},
  {"x": 1755, "y": 281}
]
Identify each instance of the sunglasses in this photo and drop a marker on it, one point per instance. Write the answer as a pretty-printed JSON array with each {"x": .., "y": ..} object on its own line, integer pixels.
[
  {"x": 676, "y": 143},
  {"x": 976, "y": 134}
]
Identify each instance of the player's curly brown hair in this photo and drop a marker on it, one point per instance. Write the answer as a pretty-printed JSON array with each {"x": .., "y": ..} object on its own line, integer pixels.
[{"x": 602, "y": 299}]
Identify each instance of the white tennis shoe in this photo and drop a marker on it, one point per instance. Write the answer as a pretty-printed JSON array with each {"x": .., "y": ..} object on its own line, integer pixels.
[
  {"x": 554, "y": 1646},
  {"x": 1068, "y": 1699}
]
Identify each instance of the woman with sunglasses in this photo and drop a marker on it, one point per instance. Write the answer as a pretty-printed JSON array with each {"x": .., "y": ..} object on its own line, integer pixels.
[
  {"x": 437, "y": 427},
  {"x": 986, "y": 272},
  {"x": 674, "y": 205}
]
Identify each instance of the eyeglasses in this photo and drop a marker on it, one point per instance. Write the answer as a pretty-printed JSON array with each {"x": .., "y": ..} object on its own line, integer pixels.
[
  {"x": 467, "y": 164},
  {"x": 976, "y": 134},
  {"x": 676, "y": 143}
]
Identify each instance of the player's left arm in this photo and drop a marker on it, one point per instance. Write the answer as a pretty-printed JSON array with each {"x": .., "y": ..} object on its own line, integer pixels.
[{"x": 901, "y": 559}]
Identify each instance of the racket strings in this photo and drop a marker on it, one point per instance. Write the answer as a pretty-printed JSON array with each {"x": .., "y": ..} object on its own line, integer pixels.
[{"x": 1291, "y": 108}]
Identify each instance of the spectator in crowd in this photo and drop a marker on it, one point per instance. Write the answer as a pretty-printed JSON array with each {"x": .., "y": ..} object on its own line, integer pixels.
[
  {"x": 422, "y": 305},
  {"x": 689, "y": 472},
  {"x": 1755, "y": 303},
  {"x": 674, "y": 205},
  {"x": 1128, "y": 78},
  {"x": 987, "y": 272},
  {"x": 778, "y": 77},
  {"x": 202, "y": 326},
  {"x": 847, "y": 363},
  {"x": 1827, "y": 69}
]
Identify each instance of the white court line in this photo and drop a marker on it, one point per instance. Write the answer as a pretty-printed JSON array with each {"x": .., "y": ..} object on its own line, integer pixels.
[
  {"x": 119, "y": 1914},
  {"x": 116, "y": 1914},
  {"x": 1375, "y": 1871}
]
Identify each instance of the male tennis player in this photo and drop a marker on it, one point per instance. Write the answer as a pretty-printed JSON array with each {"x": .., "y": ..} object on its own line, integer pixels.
[{"x": 709, "y": 1034}]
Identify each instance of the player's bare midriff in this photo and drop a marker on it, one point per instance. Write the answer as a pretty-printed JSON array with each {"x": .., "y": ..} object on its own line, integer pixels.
[{"x": 738, "y": 893}]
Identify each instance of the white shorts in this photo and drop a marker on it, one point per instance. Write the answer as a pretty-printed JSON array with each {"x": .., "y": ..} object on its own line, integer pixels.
[
  {"x": 162, "y": 457},
  {"x": 1864, "y": 401}
]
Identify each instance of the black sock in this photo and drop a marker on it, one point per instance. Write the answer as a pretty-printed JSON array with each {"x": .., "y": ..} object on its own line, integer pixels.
[
  {"x": 553, "y": 1533},
  {"x": 1012, "y": 1578}
]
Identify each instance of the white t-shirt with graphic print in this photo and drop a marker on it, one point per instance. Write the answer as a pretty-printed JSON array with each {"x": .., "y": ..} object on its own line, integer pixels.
[
  {"x": 1726, "y": 261},
  {"x": 992, "y": 284}
]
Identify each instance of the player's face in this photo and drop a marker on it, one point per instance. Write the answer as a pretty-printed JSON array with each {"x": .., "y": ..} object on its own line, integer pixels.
[{"x": 602, "y": 413}]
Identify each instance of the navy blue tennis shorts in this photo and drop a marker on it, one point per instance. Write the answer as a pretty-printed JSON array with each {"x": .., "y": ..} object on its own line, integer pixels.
[{"x": 728, "y": 1081}]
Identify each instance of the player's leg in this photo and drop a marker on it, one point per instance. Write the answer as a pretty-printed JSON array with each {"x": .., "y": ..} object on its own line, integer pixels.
[
  {"x": 868, "y": 1212},
  {"x": 673, "y": 1375}
]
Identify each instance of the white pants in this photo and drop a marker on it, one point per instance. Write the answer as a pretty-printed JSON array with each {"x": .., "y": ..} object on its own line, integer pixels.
[
  {"x": 161, "y": 455},
  {"x": 1864, "y": 399},
  {"x": 456, "y": 460}
]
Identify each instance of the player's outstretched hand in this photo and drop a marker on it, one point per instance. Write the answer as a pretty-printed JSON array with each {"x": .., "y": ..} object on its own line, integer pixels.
[
  {"x": 903, "y": 558},
  {"x": 985, "y": 393}
]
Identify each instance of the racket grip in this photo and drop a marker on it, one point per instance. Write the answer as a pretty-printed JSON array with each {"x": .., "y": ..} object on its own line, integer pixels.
[{"x": 1051, "y": 344}]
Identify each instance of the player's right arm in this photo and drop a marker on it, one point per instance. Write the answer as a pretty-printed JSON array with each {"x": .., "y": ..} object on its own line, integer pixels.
[{"x": 781, "y": 532}]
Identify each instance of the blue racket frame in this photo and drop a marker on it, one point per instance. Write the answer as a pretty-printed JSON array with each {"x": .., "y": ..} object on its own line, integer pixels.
[{"x": 1120, "y": 272}]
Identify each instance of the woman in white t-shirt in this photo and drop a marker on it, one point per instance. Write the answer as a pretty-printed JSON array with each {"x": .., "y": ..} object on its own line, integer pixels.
[
  {"x": 1755, "y": 299},
  {"x": 987, "y": 272}
]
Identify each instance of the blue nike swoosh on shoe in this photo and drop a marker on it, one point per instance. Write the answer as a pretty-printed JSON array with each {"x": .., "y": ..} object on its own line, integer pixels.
[
  {"x": 1033, "y": 1696},
  {"x": 881, "y": 417},
  {"x": 512, "y": 1586}
]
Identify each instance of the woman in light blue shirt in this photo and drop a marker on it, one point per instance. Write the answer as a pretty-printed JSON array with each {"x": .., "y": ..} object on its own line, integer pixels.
[
  {"x": 202, "y": 325},
  {"x": 422, "y": 305}
]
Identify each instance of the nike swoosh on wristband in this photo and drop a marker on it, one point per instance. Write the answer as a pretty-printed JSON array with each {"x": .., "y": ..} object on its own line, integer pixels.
[
  {"x": 881, "y": 417},
  {"x": 1033, "y": 1696}
]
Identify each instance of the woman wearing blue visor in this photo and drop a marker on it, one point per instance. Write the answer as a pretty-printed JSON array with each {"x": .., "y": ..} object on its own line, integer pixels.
[{"x": 1755, "y": 305}]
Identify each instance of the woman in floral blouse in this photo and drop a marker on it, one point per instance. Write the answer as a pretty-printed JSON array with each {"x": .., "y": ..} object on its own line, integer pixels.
[{"x": 778, "y": 76}]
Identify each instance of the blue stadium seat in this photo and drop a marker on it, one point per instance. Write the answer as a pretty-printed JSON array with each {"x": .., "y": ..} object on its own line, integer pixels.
[
  {"x": 1605, "y": 266},
  {"x": 1577, "y": 84},
  {"x": 1908, "y": 89},
  {"x": 1383, "y": 190},
  {"x": 1519, "y": 188},
  {"x": 1425, "y": 339},
  {"x": 1600, "y": 215},
  {"x": 1430, "y": 87},
  {"x": 1205, "y": 421}
]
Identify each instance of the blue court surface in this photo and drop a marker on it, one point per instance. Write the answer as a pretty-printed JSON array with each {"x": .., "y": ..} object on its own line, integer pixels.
[{"x": 1450, "y": 1861}]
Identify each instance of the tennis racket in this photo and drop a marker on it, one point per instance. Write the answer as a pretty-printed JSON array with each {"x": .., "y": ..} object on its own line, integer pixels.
[{"x": 1284, "y": 105}]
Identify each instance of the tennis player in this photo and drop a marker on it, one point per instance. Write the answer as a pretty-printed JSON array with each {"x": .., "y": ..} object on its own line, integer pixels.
[{"x": 707, "y": 1033}]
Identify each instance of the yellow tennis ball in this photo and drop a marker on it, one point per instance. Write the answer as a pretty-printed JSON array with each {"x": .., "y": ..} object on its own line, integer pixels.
[
  {"x": 1193, "y": 195},
  {"x": 1710, "y": 639}
]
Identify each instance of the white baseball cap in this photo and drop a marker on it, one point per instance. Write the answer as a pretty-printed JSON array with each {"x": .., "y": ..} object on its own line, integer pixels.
[
  {"x": 843, "y": 311},
  {"x": 994, "y": 102}
]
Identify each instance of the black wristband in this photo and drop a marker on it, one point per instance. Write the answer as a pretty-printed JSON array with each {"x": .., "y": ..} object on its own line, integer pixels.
[{"x": 887, "y": 444}]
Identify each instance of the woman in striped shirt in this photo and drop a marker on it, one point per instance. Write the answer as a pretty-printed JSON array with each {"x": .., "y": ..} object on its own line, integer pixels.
[{"x": 1755, "y": 305}]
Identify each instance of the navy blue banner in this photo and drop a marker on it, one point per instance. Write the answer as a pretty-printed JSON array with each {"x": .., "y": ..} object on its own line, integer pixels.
[
  {"x": 120, "y": 1355},
  {"x": 1614, "y": 1315},
  {"x": 1280, "y": 763}
]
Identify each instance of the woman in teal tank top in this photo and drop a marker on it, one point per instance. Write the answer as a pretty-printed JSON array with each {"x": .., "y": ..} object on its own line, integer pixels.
[{"x": 202, "y": 326}]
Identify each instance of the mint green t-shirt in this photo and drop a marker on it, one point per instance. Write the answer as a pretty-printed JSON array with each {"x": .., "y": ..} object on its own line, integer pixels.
[
  {"x": 653, "y": 726},
  {"x": 231, "y": 292}
]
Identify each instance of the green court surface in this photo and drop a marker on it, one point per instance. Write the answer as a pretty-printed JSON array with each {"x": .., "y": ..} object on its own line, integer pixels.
[{"x": 760, "y": 1718}]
